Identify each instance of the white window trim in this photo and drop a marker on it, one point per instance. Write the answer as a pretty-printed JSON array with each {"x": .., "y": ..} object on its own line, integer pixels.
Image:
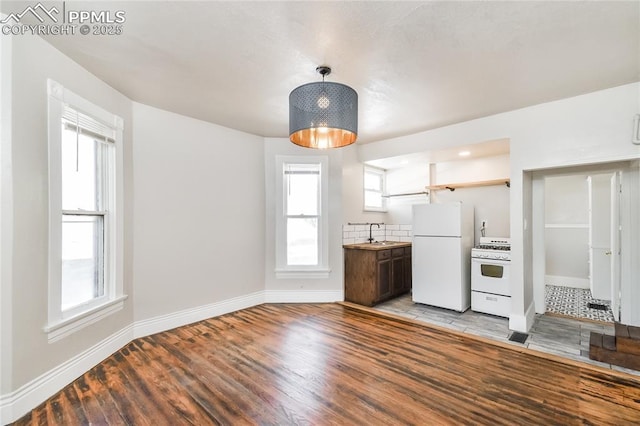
[
  {"x": 63, "y": 328},
  {"x": 283, "y": 270},
  {"x": 383, "y": 174},
  {"x": 61, "y": 324}
]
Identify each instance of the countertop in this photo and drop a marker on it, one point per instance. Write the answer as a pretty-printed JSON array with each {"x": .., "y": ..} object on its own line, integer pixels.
[{"x": 384, "y": 245}]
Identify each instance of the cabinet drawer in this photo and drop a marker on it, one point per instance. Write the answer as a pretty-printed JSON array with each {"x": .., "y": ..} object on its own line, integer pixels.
[
  {"x": 384, "y": 254},
  {"x": 407, "y": 251},
  {"x": 397, "y": 252},
  {"x": 490, "y": 303}
]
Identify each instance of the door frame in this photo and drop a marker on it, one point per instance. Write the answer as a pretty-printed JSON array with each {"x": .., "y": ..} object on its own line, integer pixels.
[
  {"x": 615, "y": 237},
  {"x": 538, "y": 220}
]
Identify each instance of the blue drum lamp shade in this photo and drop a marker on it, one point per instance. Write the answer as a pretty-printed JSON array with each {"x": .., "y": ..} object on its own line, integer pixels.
[{"x": 323, "y": 114}]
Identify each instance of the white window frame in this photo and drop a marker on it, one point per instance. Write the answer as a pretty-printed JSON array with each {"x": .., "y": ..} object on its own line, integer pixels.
[
  {"x": 283, "y": 270},
  {"x": 383, "y": 184},
  {"x": 63, "y": 323}
]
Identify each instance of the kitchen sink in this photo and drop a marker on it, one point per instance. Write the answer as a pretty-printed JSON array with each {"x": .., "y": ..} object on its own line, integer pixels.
[{"x": 385, "y": 243}]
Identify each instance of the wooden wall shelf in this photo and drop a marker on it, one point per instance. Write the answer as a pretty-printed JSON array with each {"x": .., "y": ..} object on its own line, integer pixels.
[{"x": 453, "y": 186}]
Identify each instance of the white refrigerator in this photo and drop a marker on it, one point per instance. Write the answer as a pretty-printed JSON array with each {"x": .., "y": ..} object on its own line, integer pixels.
[{"x": 441, "y": 255}]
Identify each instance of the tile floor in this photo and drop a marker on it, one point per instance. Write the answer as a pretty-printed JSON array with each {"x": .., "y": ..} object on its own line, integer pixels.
[
  {"x": 574, "y": 302},
  {"x": 561, "y": 336}
]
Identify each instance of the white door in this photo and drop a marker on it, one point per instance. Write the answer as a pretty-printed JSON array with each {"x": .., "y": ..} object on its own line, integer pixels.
[
  {"x": 615, "y": 245},
  {"x": 600, "y": 235}
]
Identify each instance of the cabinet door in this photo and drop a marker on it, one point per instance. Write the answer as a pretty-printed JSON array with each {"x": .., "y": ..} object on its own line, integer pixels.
[
  {"x": 397, "y": 275},
  {"x": 384, "y": 279}
]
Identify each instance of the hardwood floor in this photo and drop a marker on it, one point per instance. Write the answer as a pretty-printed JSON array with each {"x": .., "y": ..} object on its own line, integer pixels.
[{"x": 335, "y": 364}]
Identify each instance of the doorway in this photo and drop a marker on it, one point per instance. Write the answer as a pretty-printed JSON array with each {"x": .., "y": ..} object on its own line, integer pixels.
[
  {"x": 583, "y": 227},
  {"x": 577, "y": 232}
]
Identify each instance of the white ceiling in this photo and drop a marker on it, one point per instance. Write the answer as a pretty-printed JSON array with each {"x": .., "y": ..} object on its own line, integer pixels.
[
  {"x": 415, "y": 65},
  {"x": 463, "y": 152}
]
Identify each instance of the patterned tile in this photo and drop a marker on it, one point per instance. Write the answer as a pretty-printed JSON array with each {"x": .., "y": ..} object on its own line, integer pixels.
[{"x": 573, "y": 302}]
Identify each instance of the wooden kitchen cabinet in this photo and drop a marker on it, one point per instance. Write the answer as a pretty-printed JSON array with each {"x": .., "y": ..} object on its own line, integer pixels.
[{"x": 374, "y": 273}]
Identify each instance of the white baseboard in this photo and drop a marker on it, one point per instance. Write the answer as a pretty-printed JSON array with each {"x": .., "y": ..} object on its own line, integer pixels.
[
  {"x": 187, "y": 316},
  {"x": 561, "y": 281},
  {"x": 523, "y": 323},
  {"x": 303, "y": 296},
  {"x": 18, "y": 403}
]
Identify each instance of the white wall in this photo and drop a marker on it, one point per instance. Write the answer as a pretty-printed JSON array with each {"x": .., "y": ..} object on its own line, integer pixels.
[
  {"x": 6, "y": 217},
  {"x": 406, "y": 180},
  {"x": 303, "y": 289},
  {"x": 491, "y": 203},
  {"x": 199, "y": 225},
  {"x": 591, "y": 128},
  {"x": 567, "y": 231},
  {"x": 26, "y": 351}
]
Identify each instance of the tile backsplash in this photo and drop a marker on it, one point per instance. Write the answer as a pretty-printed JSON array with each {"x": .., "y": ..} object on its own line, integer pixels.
[{"x": 354, "y": 234}]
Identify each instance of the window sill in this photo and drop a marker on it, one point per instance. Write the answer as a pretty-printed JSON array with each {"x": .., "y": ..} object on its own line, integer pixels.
[
  {"x": 67, "y": 326},
  {"x": 303, "y": 273}
]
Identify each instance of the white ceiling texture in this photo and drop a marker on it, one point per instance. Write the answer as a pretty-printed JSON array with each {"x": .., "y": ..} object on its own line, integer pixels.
[{"x": 416, "y": 65}]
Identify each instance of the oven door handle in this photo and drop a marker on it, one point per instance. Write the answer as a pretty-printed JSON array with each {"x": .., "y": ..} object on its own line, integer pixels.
[{"x": 490, "y": 261}]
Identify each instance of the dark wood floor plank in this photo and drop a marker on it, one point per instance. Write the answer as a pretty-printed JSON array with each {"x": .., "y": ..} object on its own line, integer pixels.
[
  {"x": 331, "y": 364},
  {"x": 115, "y": 384},
  {"x": 161, "y": 372},
  {"x": 207, "y": 389},
  {"x": 458, "y": 385},
  {"x": 260, "y": 375},
  {"x": 89, "y": 402},
  {"x": 92, "y": 393}
]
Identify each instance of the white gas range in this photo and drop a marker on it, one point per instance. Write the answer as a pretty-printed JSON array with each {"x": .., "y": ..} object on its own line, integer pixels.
[{"x": 490, "y": 285}]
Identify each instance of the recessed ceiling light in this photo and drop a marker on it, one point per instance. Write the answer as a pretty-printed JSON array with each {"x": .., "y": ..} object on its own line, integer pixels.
[{"x": 464, "y": 153}]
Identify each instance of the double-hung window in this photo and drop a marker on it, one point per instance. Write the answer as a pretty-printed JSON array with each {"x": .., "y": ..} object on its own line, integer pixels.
[
  {"x": 85, "y": 272},
  {"x": 301, "y": 226},
  {"x": 374, "y": 187}
]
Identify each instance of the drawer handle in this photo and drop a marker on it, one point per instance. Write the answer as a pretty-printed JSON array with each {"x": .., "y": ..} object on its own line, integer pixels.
[{"x": 492, "y": 299}]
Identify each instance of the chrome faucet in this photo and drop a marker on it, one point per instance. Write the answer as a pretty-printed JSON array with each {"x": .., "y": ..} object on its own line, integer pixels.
[{"x": 370, "y": 236}]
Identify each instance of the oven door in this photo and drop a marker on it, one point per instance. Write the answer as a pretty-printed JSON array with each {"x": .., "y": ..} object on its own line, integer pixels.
[{"x": 490, "y": 276}]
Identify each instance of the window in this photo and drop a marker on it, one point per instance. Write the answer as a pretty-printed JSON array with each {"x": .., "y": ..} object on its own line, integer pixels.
[
  {"x": 85, "y": 272},
  {"x": 301, "y": 227},
  {"x": 302, "y": 199},
  {"x": 374, "y": 187}
]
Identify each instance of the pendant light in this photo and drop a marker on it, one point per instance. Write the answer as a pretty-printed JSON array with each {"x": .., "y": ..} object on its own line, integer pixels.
[{"x": 323, "y": 114}]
